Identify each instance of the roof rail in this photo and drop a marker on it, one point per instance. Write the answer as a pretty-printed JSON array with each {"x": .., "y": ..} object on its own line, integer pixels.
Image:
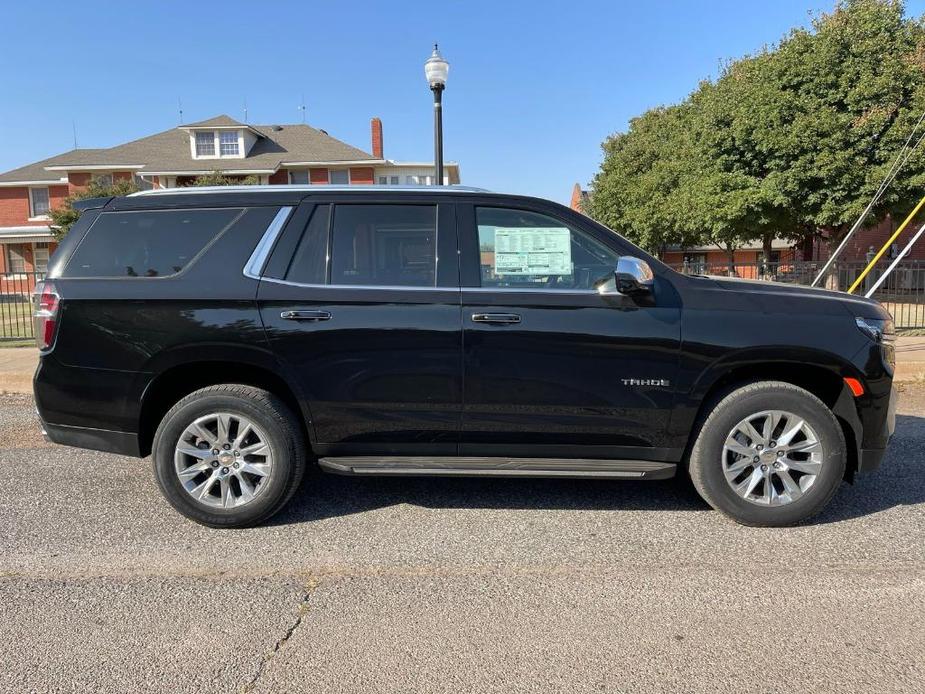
[{"x": 313, "y": 188}]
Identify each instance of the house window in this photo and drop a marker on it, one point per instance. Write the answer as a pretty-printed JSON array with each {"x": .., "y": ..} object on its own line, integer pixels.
[
  {"x": 16, "y": 258},
  {"x": 339, "y": 177},
  {"x": 205, "y": 144},
  {"x": 104, "y": 180},
  {"x": 142, "y": 183},
  {"x": 40, "y": 257},
  {"x": 228, "y": 143},
  {"x": 40, "y": 201},
  {"x": 388, "y": 180},
  {"x": 419, "y": 180},
  {"x": 298, "y": 177}
]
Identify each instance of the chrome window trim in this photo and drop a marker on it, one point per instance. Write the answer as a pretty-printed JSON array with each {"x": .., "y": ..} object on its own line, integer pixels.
[
  {"x": 393, "y": 288},
  {"x": 254, "y": 266},
  {"x": 384, "y": 287}
]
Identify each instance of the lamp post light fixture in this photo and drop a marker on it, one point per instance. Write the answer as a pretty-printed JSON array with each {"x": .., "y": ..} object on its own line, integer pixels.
[{"x": 436, "y": 70}]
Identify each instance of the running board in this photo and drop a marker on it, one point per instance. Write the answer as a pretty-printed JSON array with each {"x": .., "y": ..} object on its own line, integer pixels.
[{"x": 498, "y": 467}]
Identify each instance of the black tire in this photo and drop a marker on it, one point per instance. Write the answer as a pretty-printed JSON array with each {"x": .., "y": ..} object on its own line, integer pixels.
[
  {"x": 284, "y": 436},
  {"x": 706, "y": 459}
]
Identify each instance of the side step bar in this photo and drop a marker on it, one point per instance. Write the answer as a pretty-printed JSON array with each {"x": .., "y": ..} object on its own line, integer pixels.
[{"x": 498, "y": 467}]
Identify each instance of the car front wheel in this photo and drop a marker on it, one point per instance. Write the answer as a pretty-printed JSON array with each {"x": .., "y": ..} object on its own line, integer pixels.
[{"x": 769, "y": 454}]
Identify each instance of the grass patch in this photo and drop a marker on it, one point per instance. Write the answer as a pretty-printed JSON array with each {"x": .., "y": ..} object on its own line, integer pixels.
[{"x": 15, "y": 321}]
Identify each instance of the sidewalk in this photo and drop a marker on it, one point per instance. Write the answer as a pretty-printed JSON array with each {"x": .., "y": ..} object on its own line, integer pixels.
[{"x": 17, "y": 364}]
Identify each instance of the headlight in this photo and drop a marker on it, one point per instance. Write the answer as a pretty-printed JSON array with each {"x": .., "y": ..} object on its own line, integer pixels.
[{"x": 877, "y": 329}]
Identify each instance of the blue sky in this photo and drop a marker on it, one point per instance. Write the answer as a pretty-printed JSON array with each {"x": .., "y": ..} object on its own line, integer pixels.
[{"x": 534, "y": 87}]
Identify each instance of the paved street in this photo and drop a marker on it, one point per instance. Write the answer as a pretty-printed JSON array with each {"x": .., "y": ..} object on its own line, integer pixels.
[{"x": 453, "y": 585}]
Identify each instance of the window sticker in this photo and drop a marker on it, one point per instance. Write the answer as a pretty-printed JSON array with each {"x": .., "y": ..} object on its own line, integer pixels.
[{"x": 533, "y": 251}]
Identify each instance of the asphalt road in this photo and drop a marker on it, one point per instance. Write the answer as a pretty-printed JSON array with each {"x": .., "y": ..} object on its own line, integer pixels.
[{"x": 453, "y": 585}]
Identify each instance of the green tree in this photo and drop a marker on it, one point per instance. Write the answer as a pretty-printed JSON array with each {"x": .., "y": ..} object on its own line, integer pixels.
[
  {"x": 217, "y": 178},
  {"x": 64, "y": 217},
  {"x": 792, "y": 141}
]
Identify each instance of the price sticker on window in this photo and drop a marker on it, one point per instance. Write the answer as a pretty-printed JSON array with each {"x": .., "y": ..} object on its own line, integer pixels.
[{"x": 540, "y": 251}]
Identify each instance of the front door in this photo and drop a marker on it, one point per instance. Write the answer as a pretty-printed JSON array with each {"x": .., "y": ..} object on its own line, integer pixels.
[
  {"x": 366, "y": 317},
  {"x": 551, "y": 366}
]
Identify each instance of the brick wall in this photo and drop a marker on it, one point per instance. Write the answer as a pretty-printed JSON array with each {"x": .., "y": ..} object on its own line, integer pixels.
[
  {"x": 14, "y": 205},
  {"x": 280, "y": 177},
  {"x": 317, "y": 175}
]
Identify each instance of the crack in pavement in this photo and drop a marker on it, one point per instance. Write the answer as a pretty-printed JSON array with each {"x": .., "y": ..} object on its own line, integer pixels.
[{"x": 301, "y": 611}]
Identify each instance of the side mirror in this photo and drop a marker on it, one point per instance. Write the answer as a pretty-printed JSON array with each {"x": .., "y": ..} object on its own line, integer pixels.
[{"x": 632, "y": 276}]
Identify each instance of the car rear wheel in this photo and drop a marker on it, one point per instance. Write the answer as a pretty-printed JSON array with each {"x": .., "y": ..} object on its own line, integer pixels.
[
  {"x": 229, "y": 456},
  {"x": 769, "y": 454}
]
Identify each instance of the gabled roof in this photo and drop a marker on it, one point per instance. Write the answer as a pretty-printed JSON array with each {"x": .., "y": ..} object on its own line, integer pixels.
[
  {"x": 169, "y": 151},
  {"x": 218, "y": 121}
]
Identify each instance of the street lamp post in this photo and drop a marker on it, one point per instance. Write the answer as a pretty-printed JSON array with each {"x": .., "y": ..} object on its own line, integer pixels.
[{"x": 436, "y": 70}]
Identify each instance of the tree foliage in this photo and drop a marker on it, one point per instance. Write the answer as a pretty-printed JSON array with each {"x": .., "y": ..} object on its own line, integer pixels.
[
  {"x": 217, "y": 178},
  {"x": 791, "y": 141},
  {"x": 64, "y": 217}
]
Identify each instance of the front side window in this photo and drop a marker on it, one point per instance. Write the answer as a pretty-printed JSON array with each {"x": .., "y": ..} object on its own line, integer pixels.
[
  {"x": 41, "y": 204},
  {"x": 154, "y": 243},
  {"x": 228, "y": 143},
  {"x": 384, "y": 245},
  {"x": 520, "y": 249},
  {"x": 339, "y": 177},
  {"x": 205, "y": 144}
]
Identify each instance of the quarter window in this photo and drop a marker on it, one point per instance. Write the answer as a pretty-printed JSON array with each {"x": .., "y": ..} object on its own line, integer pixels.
[
  {"x": 384, "y": 245},
  {"x": 228, "y": 143},
  {"x": 309, "y": 264},
  {"x": 40, "y": 201},
  {"x": 526, "y": 250},
  {"x": 205, "y": 144},
  {"x": 153, "y": 243}
]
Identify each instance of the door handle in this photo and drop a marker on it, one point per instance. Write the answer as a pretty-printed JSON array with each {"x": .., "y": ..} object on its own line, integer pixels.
[
  {"x": 306, "y": 315},
  {"x": 497, "y": 318}
]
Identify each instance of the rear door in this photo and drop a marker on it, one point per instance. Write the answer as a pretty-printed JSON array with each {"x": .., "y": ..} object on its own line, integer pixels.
[
  {"x": 551, "y": 366},
  {"x": 360, "y": 300}
]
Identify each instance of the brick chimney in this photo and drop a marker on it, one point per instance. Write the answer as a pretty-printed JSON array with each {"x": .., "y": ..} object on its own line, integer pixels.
[{"x": 375, "y": 126}]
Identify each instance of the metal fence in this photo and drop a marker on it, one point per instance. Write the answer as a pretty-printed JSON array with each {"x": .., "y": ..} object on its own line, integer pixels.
[
  {"x": 16, "y": 305},
  {"x": 903, "y": 292}
]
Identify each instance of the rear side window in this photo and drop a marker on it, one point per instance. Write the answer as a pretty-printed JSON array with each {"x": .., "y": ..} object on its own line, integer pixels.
[
  {"x": 384, "y": 245},
  {"x": 155, "y": 243}
]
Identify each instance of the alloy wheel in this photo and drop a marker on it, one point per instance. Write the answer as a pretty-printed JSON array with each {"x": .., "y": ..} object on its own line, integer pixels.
[
  {"x": 772, "y": 458},
  {"x": 223, "y": 460}
]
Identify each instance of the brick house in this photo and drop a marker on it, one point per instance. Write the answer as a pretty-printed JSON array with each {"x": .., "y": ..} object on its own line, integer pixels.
[{"x": 276, "y": 154}]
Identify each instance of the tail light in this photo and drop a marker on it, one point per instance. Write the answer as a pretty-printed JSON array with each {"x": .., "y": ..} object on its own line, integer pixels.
[{"x": 45, "y": 314}]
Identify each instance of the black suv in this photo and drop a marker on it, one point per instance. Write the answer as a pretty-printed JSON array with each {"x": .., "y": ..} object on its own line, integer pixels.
[{"x": 237, "y": 333}]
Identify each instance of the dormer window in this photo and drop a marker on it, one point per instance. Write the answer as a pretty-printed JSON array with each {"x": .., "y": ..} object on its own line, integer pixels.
[
  {"x": 228, "y": 143},
  {"x": 205, "y": 144}
]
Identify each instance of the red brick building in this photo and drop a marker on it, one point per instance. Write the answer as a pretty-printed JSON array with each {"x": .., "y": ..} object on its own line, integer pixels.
[{"x": 275, "y": 154}]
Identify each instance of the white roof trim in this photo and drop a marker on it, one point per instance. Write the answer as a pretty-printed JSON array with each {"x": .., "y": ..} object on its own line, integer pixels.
[
  {"x": 93, "y": 167},
  {"x": 55, "y": 182},
  {"x": 356, "y": 162},
  {"x": 31, "y": 233},
  {"x": 205, "y": 172},
  {"x": 420, "y": 164}
]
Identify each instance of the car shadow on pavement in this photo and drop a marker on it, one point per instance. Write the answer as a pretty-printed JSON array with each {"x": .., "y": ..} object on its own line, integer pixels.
[{"x": 899, "y": 482}]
